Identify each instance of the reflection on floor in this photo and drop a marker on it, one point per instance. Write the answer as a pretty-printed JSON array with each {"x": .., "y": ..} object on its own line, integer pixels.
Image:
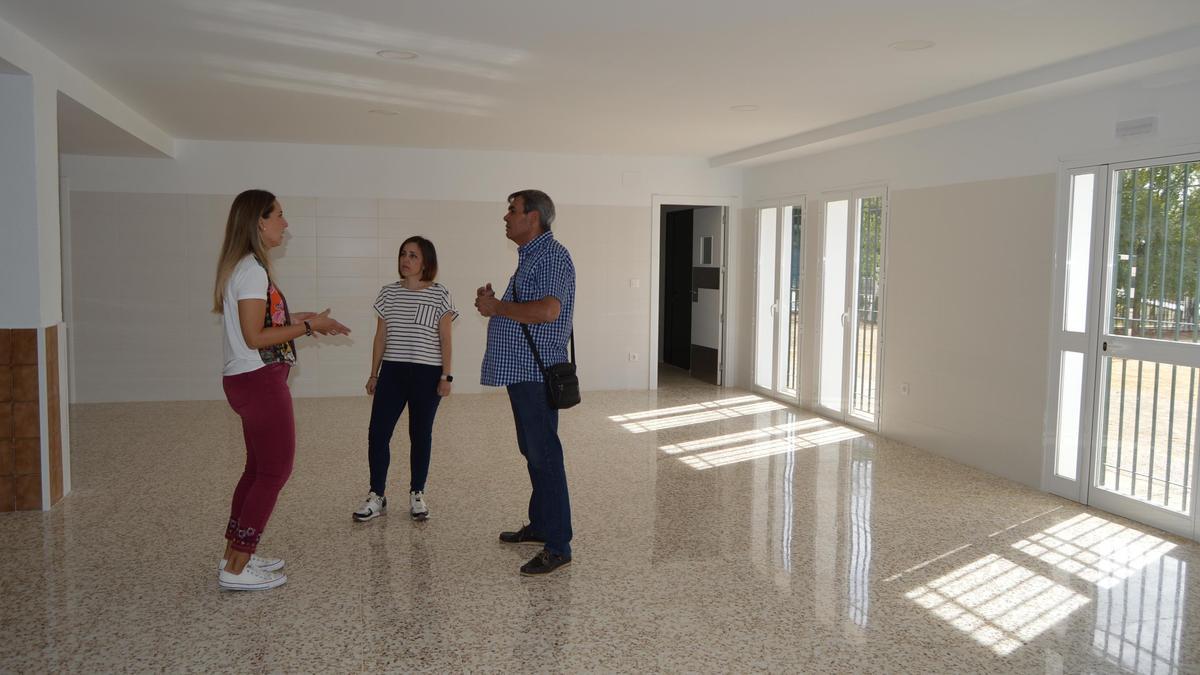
[{"x": 715, "y": 531}]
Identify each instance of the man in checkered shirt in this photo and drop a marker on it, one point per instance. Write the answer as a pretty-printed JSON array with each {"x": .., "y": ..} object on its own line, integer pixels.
[{"x": 541, "y": 295}]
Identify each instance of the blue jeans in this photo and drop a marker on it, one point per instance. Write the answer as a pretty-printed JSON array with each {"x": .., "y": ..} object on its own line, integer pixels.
[
  {"x": 402, "y": 383},
  {"x": 537, "y": 436}
]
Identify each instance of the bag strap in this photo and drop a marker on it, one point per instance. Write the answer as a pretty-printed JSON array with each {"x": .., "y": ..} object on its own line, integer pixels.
[{"x": 529, "y": 338}]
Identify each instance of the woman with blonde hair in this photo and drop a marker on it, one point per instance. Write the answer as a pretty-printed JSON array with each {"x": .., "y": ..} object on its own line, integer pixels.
[{"x": 260, "y": 350}]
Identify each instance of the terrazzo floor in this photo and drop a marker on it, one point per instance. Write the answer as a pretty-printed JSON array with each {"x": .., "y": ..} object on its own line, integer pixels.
[{"x": 715, "y": 531}]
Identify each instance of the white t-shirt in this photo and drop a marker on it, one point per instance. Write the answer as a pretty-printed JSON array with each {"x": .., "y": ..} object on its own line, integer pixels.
[
  {"x": 249, "y": 282},
  {"x": 412, "y": 318}
]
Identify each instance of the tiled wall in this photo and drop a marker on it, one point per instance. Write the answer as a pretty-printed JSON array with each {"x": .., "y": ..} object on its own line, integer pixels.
[
  {"x": 20, "y": 427},
  {"x": 143, "y": 264}
]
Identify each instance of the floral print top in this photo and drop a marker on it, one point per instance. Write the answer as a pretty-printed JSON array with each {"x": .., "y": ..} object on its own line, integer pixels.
[{"x": 277, "y": 315}]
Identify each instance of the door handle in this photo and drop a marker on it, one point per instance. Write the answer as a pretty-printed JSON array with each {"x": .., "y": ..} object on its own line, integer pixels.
[{"x": 1111, "y": 347}]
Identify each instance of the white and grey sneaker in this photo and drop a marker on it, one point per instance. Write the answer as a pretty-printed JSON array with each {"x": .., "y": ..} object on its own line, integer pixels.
[
  {"x": 263, "y": 563},
  {"x": 417, "y": 506},
  {"x": 251, "y": 579},
  {"x": 372, "y": 507}
]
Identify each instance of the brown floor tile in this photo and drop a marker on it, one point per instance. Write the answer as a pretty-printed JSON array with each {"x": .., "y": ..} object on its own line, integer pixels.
[
  {"x": 6, "y": 383},
  {"x": 29, "y": 493},
  {"x": 25, "y": 420},
  {"x": 8, "y": 493},
  {"x": 27, "y": 456},
  {"x": 24, "y": 347},
  {"x": 24, "y": 383},
  {"x": 7, "y": 457},
  {"x": 5, "y": 346},
  {"x": 6, "y": 420}
]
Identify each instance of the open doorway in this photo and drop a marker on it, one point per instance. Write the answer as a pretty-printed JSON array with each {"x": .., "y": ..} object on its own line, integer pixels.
[{"x": 691, "y": 256}]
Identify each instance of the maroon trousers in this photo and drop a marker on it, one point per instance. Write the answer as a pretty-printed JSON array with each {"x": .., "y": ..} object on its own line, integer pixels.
[{"x": 264, "y": 402}]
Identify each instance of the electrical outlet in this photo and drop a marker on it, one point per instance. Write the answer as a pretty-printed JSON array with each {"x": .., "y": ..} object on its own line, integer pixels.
[
  {"x": 633, "y": 356},
  {"x": 635, "y": 283},
  {"x": 904, "y": 389}
]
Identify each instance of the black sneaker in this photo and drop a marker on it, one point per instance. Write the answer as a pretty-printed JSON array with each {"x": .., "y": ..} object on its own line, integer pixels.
[
  {"x": 521, "y": 536},
  {"x": 544, "y": 562}
]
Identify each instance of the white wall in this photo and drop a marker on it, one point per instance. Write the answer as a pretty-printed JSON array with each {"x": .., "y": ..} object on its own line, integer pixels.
[
  {"x": 151, "y": 229},
  {"x": 50, "y": 75},
  {"x": 1021, "y": 142},
  {"x": 970, "y": 232},
  {"x": 18, "y": 193}
]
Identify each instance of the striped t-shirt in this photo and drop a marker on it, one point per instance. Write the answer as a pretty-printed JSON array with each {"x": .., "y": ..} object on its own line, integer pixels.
[{"x": 412, "y": 322}]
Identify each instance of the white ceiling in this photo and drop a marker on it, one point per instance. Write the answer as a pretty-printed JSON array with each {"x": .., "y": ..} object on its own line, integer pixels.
[{"x": 639, "y": 77}]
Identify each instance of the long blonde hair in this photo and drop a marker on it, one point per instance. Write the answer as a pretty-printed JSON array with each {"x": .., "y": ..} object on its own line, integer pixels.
[{"x": 242, "y": 237}]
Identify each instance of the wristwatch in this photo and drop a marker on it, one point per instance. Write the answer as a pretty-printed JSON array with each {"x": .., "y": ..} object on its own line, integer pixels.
[
  {"x": 308, "y": 329},
  {"x": 448, "y": 378}
]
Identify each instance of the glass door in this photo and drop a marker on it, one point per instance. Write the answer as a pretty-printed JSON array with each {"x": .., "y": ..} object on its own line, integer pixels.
[
  {"x": 852, "y": 281},
  {"x": 778, "y": 287},
  {"x": 866, "y": 310},
  {"x": 1148, "y": 370}
]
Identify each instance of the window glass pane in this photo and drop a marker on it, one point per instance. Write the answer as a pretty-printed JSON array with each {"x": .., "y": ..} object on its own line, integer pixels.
[
  {"x": 784, "y": 316},
  {"x": 1147, "y": 437},
  {"x": 833, "y": 302},
  {"x": 866, "y": 307},
  {"x": 792, "y": 224},
  {"x": 1070, "y": 392},
  {"x": 1079, "y": 243},
  {"x": 1156, "y": 253},
  {"x": 764, "y": 346}
]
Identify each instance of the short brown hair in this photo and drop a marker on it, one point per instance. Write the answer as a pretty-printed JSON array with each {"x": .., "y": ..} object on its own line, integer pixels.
[
  {"x": 536, "y": 200},
  {"x": 428, "y": 255}
]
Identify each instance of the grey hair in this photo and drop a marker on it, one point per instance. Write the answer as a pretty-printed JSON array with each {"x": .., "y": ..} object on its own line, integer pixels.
[{"x": 536, "y": 200}]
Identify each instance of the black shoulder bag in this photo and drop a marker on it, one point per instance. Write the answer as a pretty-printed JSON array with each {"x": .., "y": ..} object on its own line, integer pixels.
[{"x": 562, "y": 384}]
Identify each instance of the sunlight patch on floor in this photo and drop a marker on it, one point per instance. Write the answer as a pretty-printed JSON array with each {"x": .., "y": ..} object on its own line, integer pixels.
[
  {"x": 752, "y": 435},
  {"x": 999, "y": 603},
  {"x": 691, "y": 407},
  {"x": 1094, "y": 549},
  {"x": 710, "y": 411},
  {"x": 743, "y": 453}
]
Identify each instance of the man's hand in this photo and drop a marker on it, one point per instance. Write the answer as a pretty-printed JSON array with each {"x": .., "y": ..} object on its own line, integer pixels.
[
  {"x": 485, "y": 300},
  {"x": 487, "y": 305}
]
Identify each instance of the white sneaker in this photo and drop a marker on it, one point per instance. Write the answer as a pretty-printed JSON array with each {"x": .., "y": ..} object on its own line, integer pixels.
[
  {"x": 417, "y": 506},
  {"x": 251, "y": 579},
  {"x": 262, "y": 563},
  {"x": 372, "y": 507}
]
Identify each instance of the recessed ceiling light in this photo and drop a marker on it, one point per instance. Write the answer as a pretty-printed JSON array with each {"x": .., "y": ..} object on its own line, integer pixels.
[
  {"x": 383, "y": 111},
  {"x": 396, "y": 54},
  {"x": 743, "y": 108},
  {"x": 911, "y": 45}
]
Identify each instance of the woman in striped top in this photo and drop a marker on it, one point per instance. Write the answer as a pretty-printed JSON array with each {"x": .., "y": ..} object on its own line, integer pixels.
[{"x": 410, "y": 365}]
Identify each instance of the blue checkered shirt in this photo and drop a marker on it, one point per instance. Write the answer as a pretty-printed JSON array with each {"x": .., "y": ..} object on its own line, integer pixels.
[{"x": 544, "y": 268}]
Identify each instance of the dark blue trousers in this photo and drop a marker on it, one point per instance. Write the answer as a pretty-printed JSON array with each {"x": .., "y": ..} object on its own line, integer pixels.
[
  {"x": 537, "y": 437},
  {"x": 400, "y": 384}
]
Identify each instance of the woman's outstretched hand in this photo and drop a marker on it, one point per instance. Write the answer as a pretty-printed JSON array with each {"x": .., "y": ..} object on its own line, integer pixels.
[{"x": 324, "y": 324}]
